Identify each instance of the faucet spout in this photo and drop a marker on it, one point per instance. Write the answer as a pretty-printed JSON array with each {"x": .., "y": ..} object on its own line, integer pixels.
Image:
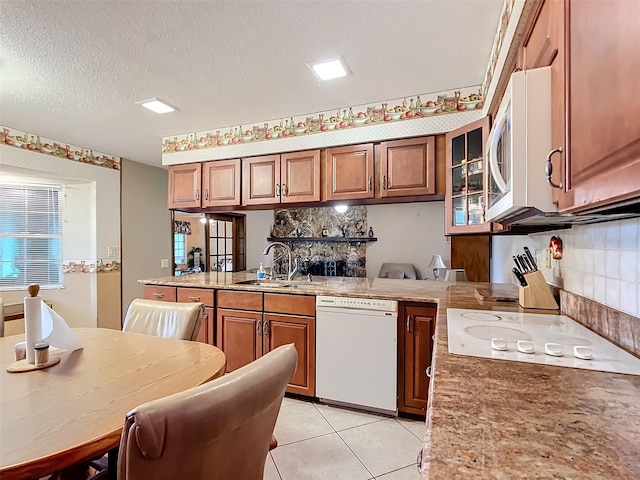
[{"x": 293, "y": 264}]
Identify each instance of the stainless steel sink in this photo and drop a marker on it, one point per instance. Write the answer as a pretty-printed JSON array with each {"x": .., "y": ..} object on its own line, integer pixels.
[{"x": 280, "y": 283}]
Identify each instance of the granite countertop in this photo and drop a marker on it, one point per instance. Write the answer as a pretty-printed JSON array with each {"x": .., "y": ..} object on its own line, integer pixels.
[{"x": 493, "y": 419}]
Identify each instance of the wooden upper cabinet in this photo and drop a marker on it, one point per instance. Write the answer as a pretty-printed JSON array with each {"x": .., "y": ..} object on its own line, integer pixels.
[
  {"x": 261, "y": 180},
  {"x": 349, "y": 172},
  {"x": 407, "y": 167},
  {"x": 221, "y": 183},
  {"x": 300, "y": 177},
  {"x": 184, "y": 186},
  {"x": 465, "y": 198},
  {"x": 602, "y": 72},
  {"x": 541, "y": 44}
]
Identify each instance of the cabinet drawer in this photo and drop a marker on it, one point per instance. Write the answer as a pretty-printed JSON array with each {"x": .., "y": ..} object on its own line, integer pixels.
[
  {"x": 158, "y": 292},
  {"x": 292, "y": 304},
  {"x": 201, "y": 295},
  {"x": 240, "y": 300}
]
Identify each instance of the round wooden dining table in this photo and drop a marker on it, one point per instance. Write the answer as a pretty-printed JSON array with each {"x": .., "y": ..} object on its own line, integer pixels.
[{"x": 74, "y": 411}]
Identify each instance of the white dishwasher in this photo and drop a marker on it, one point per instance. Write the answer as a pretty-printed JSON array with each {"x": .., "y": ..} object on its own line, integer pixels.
[{"x": 356, "y": 352}]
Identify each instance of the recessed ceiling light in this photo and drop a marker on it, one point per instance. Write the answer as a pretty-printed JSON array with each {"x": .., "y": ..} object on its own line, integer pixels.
[
  {"x": 331, "y": 69},
  {"x": 156, "y": 105}
]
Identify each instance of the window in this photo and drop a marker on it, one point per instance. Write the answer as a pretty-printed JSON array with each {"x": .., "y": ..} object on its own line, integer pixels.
[
  {"x": 226, "y": 243},
  {"x": 30, "y": 235},
  {"x": 179, "y": 248}
]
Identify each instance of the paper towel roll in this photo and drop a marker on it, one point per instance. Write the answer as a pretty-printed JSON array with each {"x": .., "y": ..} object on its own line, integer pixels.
[{"x": 32, "y": 324}]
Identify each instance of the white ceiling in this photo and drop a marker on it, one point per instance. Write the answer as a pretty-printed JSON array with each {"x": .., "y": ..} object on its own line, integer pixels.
[{"x": 72, "y": 70}]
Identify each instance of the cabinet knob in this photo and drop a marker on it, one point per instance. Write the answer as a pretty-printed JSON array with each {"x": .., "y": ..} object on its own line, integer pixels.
[
  {"x": 265, "y": 328},
  {"x": 258, "y": 327},
  {"x": 197, "y": 194},
  {"x": 428, "y": 371},
  {"x": 408, "y": 323},
  {"x": 206, "y": 194},
  {"x": 285, "y": 192},
  {"x": 158, "y": 295},
  {"x": 548, "y": 168},
  {"x": 193, "y": 298},
  {"x": 370, "y": 183},
  {"x": 277, "y": 188}
]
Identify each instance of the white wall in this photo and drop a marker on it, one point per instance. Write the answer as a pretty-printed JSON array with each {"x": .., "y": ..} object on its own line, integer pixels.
[
  {"x": 77, "y": 302},
  {"x": 259, "y": 223},
  {"x": 146, "y": 227},
  {"x": 407, "y": 233},
  {"x": 503, "y": 248}
]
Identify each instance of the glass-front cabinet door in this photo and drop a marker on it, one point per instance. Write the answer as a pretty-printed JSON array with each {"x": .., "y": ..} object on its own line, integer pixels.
[{"x": 465, "y": 199}]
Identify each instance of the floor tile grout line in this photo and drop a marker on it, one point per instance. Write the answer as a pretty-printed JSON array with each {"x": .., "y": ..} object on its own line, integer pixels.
[
  {"x": 354, "y": 454},
  {"x": 275, "y": 465},
  {"x": 305, "y": 439},
  {"x": 407, "y": 428},
  {"x": 348, "y": 428}
]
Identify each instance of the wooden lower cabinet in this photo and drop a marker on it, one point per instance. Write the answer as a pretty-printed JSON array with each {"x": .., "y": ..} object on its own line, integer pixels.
[
  {"x": 245, "y": 335},
  {"x": 301, "y": 331},
  {"x": 239, "y": 336},
  {"x": 416, "y": 327},
  {"x": 206, "y": 334}
]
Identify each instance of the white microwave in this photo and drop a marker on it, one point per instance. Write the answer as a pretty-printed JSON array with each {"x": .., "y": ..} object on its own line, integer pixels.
[{"x": 518, "y": 144}]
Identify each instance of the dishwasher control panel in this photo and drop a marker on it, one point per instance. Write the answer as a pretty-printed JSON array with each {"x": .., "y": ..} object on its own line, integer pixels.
[{"x": 358, "y": 303}]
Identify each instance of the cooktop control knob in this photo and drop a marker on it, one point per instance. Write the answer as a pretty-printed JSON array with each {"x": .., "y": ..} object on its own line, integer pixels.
[
  {"x": 498, "y": 344},
  {"x": 585, "y": 353},
  {"x": 525, "y": 346},
  {"x": 553, "y": 349}
]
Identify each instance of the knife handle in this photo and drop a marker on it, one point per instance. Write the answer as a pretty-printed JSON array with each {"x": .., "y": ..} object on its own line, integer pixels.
[
  {"x": 520, "y": 277},
  {"x": 523, "y": 264},
  {"x": 531, "y": 259},
  {"x": 515, "y": 260}
]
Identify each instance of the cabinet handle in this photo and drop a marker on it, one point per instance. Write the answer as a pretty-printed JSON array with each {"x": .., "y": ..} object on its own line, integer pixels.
[
  {"x": 206, "y": 194},
  {"x": 277, "y": 189},
  {"x": 428, "y": 371},
  {"x": 193, "y": 298},
  {"x": 384, "y": 182},
  {"x": 408, "y": 323},
  {"x": 285, "y": 192},
  {"x": 197, "y": 194},
  {"x": 548, "y": 168},
  {"x": 265, "y": 328},
  {"x": 158, "y": 295},
  {"x": 370, "y": 183},
  {"x": 258, "y": 326}
]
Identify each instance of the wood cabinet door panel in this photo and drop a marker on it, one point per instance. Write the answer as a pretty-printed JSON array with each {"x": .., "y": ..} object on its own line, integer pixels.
[
  {"x": 261, "y": 180},
  {"x": 416, "y": 328},
  {"x": 290, "y": 304},
  {"x": 603, "y": 71},
  {"x": 542, "y": 45},
  {"x": 160, "y": 292},
  {"x": 184, "y": 185},
  {"x": 473, "y": 253},
  {"x": 349, "y": 172},
  {"x": 282, "y": 330},
  {"x": 300, "y": 177},
  {"x": 221, "y": 183},
  {"x": 206, "y": 333},
  {"x": 407, "y": 167},
  {"x": 239, "y": 337}
]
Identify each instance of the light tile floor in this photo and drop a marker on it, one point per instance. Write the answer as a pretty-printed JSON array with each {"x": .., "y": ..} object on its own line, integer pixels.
[{"x": 317, "y": 441}]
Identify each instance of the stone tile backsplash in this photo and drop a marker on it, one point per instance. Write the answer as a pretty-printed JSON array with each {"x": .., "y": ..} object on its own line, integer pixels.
[{"x": 600, "y": 262}]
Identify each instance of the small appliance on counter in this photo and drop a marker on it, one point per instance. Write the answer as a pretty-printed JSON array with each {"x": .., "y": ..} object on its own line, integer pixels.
[{"x": 533, "y": 291}]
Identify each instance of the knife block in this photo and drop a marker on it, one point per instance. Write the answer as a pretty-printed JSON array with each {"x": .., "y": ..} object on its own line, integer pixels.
[{"x": 537, "y": 293}]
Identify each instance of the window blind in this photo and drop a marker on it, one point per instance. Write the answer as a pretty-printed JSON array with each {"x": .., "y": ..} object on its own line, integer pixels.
[{"x": 30, "y": 235}]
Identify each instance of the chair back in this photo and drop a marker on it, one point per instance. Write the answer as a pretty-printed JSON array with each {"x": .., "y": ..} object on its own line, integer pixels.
[
  {"x": 164, "y": 319},
  {"x": 398, "y": 270},
  {"x": 219, "y": 430}
]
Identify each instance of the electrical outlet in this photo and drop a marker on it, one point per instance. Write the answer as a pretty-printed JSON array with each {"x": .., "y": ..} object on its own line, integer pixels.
[
  {"x": 164, "y": 263},
  {"x": 113, "y": 251}
]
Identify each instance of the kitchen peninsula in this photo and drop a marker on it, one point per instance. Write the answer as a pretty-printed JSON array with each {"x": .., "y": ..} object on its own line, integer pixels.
[{"x": 490, "y": 418}]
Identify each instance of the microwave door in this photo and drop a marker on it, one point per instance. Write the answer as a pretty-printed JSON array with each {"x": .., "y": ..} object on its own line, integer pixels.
[{"x": 498, "y": 154}]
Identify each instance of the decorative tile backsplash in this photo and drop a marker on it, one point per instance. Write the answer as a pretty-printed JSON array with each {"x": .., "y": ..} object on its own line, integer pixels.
[
  {"x": 600, "y": 262},
  {"x": 316, "y": 256}
]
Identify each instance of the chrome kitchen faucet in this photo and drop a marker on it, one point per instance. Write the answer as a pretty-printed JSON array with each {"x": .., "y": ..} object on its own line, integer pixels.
[{"x": 293, "y": 264}]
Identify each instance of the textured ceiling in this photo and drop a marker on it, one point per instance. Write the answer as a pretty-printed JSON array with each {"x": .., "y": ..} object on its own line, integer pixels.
[{"x": 72, "y": 70}]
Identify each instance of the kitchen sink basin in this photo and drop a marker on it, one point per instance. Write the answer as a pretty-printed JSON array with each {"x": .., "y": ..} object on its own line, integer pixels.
[{"x": 280, "y": 283}]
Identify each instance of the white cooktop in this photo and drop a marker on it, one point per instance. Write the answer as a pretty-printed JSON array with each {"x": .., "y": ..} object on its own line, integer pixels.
[{"x": 552, "y": 339}]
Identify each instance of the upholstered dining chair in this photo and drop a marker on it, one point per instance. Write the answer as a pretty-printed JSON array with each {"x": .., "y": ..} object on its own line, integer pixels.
[
  {"x": 164, "y": 319},
  {"x": 398, "y": 270},
  {"x": 219, "y": 430}
]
